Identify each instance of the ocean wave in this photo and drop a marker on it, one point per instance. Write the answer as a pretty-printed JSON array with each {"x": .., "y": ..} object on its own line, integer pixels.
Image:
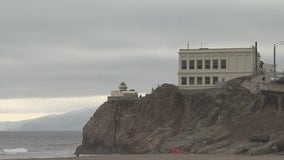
[{"x": 14, "y": 151}]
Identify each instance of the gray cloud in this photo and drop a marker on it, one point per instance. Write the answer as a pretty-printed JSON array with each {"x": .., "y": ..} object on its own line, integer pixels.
[
  {"x": 79, "y": 48},
  {"x": 84, "y": 78}
]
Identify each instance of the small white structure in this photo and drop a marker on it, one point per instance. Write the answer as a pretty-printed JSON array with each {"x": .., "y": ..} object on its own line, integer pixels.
[
  {"x": 268, "y": 67},
  {"x": 203, "y": 67},
  {"x": 123, "y": 93}
]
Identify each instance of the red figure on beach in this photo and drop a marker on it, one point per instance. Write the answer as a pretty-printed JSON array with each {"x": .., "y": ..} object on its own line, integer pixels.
[{"x": 175, "y": 151}]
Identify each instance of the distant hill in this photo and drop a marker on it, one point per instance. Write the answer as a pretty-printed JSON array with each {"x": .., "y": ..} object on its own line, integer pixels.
[
  {"x": 70, "y": 121},
  {"x": 11, "y": 126}
]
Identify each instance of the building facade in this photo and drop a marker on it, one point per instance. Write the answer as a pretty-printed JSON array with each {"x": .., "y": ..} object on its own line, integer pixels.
[
  {"x": 123, "y": 93},
  {"x": 204, "y": 67}
]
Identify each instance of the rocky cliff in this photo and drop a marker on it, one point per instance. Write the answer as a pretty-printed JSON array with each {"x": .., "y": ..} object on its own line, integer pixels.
[{"x": 229, "y": 120}]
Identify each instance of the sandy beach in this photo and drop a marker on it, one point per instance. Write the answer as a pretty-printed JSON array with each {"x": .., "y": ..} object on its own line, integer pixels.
[{"x": 167, "y": 157}]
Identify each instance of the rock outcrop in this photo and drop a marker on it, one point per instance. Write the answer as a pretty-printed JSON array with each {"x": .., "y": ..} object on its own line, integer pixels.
[{"x": 229, "y": 120}]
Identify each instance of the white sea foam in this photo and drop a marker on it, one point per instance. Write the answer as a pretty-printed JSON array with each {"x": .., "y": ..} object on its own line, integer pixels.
[
  {"x": 15, "y": 150},
  {"x": 23, "y": 145}
]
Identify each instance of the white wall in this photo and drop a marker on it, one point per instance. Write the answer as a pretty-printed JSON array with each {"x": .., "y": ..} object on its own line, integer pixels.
[{"x": 239, "y": 62}]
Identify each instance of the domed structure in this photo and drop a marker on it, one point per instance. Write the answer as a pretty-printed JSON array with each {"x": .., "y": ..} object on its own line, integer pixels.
[
  {"x": 122, "y": 86},
  {"x": 123, "y": 93}
]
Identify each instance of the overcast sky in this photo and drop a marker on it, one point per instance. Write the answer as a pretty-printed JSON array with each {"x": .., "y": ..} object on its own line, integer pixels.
[{"x": 60, "y": 55}]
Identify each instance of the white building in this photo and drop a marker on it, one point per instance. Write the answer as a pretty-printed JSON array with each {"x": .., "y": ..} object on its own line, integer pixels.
[
  {"x": 123, "y": 93},
  {"x": 202, "y": 68},
  {"x": 268, "y": 67}
]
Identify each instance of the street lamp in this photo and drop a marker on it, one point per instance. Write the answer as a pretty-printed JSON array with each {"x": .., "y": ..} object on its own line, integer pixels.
[{"x": 274, "y": 51}]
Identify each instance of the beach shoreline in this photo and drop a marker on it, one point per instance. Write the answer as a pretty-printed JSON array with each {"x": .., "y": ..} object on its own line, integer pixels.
[{"x": 164, "y": 157}]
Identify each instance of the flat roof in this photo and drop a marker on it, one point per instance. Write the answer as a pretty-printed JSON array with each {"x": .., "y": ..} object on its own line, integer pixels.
[{"x": 214, "y": 50}]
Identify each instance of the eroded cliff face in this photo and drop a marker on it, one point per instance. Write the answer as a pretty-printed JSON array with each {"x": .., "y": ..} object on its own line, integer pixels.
[{"x": 229, "y": 120}]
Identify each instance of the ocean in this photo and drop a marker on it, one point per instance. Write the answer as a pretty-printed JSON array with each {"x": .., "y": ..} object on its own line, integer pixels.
[{"x": 38, "y": 144}]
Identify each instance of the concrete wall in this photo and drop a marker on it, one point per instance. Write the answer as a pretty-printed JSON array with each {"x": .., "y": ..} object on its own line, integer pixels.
[
  {"x": 116, "y": 93},
  {"x": 110, "y": 98},
  {"x": 123, "y": 95}
]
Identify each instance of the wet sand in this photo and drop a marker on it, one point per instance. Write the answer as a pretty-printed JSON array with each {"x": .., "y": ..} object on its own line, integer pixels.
[{"x": 168, "y": 157}]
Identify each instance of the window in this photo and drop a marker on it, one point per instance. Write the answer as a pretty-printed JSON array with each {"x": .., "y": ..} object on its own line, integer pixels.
[
  {"x": 215, "y": 63},
  {"x": 199, "y": 64},
  {"x": 207, "y": 64},
  {"x": 215, "y": 79},
  {"x": 191, "y": 64},
  {"x": 191, "y": 80},
  {"x": 183, "y": 64},
  {"x": 223, "y": 64},
  {"x": 183, "y": 80},
  {"x": 199, "y": 80},
  {"x": 207, "y": 80}
]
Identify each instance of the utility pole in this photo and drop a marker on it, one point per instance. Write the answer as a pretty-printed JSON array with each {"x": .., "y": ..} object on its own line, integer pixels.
[
  {"x": 256, "y": 56},
  {"x": 274, "y": 59}
]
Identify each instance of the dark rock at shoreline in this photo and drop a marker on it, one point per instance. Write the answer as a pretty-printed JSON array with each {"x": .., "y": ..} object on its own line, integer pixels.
[{"x": 229, "y": 120}]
